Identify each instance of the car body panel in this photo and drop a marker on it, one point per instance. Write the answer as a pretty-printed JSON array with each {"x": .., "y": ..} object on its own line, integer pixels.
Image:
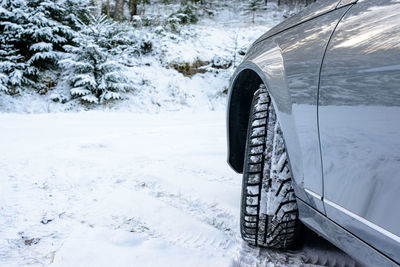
[
  {"x": 343, "y": 239},
  {"x": 345, "y": 2},
  {"x": 359, "y": 121},
  {"x": 315, "y": 9}
]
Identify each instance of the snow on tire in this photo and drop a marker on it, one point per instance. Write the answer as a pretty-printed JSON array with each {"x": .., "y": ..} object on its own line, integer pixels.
[{"x": 269, "y": 215}]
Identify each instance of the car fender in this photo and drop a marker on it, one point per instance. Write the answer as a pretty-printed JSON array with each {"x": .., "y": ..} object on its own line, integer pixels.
[{"x": 265, "y": 64}]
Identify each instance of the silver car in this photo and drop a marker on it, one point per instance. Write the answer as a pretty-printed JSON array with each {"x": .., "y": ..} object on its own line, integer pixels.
[{"x": 314, "y": 125}]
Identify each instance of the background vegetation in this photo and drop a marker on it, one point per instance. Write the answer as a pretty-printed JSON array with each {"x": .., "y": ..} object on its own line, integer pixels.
[{"x": 81, "y": 50}]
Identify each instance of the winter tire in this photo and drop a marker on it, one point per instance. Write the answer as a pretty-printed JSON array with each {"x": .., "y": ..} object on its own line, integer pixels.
[{"x": 269, "y": 215}]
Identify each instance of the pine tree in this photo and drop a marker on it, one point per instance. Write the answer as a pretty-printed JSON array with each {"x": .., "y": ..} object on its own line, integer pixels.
[
  {"x": 11, "y": 70},
  {"x": 253, "y": 5},
  {"x": 44, "y": 38},
  {"x": 75, "y": 11},
  {"x": 12, "y": 64},
  {"x": 94, "y": 75},
  {"x": 33, "y": 35}
]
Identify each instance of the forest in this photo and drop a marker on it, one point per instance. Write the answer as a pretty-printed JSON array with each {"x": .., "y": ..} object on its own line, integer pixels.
[{"x": 84, "y": 52}]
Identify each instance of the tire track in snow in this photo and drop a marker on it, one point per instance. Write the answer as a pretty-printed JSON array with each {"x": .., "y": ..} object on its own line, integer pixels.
[
  {"x": 194, "y": 241},
  {"x": 208, "y": 213},
  {"x": 315, "y": 251},
  {"x": 211, "y": 176}
]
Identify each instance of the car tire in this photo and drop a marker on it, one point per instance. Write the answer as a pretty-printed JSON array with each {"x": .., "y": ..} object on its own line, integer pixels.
[{"x": 269, "y": 214}]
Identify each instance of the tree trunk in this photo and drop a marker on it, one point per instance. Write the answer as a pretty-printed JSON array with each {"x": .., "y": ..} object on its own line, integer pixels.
[
  {"x": 119, "y": 10},
  {"x": 108, "y": 8},
  {"x": 133, "y": 7},
  {"x": 99, "y": 5}
]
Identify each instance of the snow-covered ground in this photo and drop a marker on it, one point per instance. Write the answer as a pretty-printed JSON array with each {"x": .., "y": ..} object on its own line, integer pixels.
[
  {"x": 115, "y": 189},
  {"x": 122, "y": 189}
]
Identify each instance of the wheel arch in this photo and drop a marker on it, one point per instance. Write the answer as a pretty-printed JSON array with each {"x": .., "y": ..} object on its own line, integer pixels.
[
  {"x": 241, "y": 94},
  {"x": 246, "y": 80}
]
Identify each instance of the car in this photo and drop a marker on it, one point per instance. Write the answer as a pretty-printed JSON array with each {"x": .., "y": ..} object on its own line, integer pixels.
[{"x": 313, "y": 123}]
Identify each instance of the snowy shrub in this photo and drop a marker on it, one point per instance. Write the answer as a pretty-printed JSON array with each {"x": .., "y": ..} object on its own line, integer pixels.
[
  {"x": 186, "y": 14},
  {"x": 90, "y": 66},
  {"x": 122, "y": 39}
]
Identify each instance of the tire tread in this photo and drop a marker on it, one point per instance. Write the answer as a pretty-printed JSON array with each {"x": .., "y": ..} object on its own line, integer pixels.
[{"x": 279, "y": 229}]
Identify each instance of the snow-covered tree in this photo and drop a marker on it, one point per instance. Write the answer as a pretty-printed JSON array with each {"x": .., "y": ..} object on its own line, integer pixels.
[
  {"x": 44, "y": 37},
  {"x": 253, "y": 5},
  {"x": 94, "y": 73},
  {"x": 77, "y": 11},
  {"x": 12, "y": 64},
  {"x": 33, "y": 33},
  {"x": 11, "y": 70}
]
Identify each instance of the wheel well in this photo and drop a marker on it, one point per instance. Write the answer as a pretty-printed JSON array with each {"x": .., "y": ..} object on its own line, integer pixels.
[{"x": 243, "y": 88}]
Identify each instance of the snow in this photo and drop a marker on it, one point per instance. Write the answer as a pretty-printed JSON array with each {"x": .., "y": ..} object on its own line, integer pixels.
[
  {"x": 112, "y": 188},
  {"x": 136, "y": 185}
]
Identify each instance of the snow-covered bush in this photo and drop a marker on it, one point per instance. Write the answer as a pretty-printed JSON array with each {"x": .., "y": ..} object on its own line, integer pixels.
[
  {"x": 121, "y": 39},
  {"x": 186, "y": 14},
  {"x": 95, "y": 75}
]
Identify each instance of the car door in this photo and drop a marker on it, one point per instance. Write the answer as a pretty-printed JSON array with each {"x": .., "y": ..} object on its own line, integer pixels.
[{"x": 359, "y": 124}]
